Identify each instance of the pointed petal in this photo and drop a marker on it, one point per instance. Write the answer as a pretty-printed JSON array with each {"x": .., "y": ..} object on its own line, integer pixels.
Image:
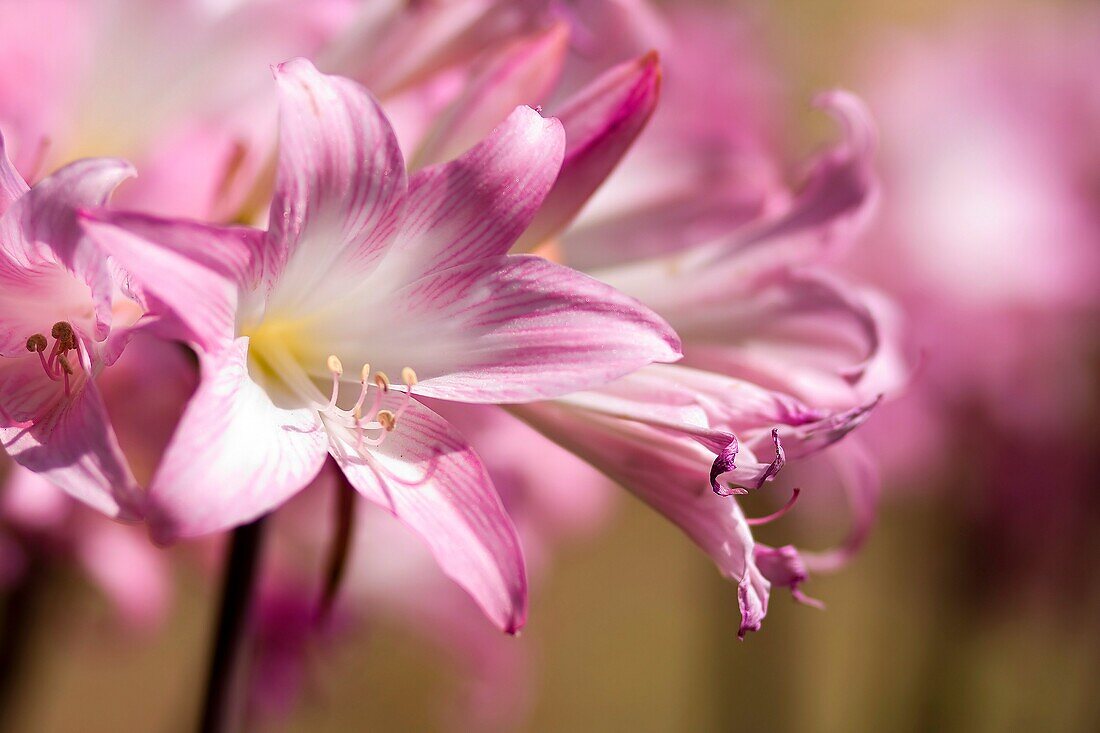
[
  {"x": 523, "y": 73},
  {"x": 601, "y": 121},
  {"x": 235, "y": 455},
  {"x": 68, "y": 441},
  {"x": 477, "y": 205},
  {"x": 507, "y": 329},
  {"x": 193, "y": 271},
  {"x": 42, "y": 226},
  {"x": 431, "y": 480},
  {"x": 341, "y": 177}
]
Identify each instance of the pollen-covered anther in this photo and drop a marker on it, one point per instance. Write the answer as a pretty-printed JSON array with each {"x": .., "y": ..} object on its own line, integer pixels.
[
  {"x": 382, "y": 381},
  {"x": 408, "y": 376},
  {"x": 62, "y": 332},
  {"x": 387, "y": 420},
  {"x": 37, "y": 343},
  {"x": 63, "y": 362}
]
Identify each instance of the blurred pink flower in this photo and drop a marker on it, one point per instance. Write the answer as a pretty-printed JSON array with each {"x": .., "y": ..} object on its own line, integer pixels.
[
  {"x": 350, "y": 241},
  {"x": 991, "y": 239},
  {"x": 178, "y": 88}
]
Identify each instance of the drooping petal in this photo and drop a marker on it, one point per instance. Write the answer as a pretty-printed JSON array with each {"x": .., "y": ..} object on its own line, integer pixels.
[
  {"x": 42, "y": 226},
  {"x": 601, "y": 121},
  {"x": 858, "y": 472},
  {"x": 840, "y": 189},
  {"x": 670, "y": 473},
  {"x": 522, "y": 73},
  {"x": 235, "y": 454},
  {"x": 341, "y": 178},
  {"x": 477, "y": 205},
  {"x": 432, "y": 481},
  {"x": 784, "y": 567},
  {"x": 67, "y": 440},
  {"x": 193, "y": 271},
  {"x": 506, "y": 329}
]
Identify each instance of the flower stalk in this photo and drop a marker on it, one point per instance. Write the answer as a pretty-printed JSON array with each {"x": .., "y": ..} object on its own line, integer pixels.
[{"x": 222, "y": 706}]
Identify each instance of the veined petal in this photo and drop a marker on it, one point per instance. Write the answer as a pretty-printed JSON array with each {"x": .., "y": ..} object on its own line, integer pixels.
[
  {"x": 669, "y": 472},
  {"x": 12, "y": 185},
  {"x": 524, "y": 72},
  {"x": 341, "y": 178},
  {"x": 42, "y": 226},
  {"x": 601, "y": 121},
  {"x": 431, "y": 480},
  {"x": 235, "y": 454},
  {"x": 67, "y": 440},
  {"x": 477, "y": 205},
  {"x": 506, "y": 329},
  {"x": 192, "y": 270}
]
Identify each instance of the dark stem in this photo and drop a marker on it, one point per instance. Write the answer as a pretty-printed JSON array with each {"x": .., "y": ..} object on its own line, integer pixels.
[
  {"x": 341, "y": 547},
  {"x": 18, "y": 614},
  {"x": 221, "y": 708}
]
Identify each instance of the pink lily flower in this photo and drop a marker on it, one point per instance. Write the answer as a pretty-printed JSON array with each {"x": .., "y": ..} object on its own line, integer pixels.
[
  {"x": 63, "y": 320},
  {"x": 401, "y": 276},
  {"x": 736, "y": 270}
]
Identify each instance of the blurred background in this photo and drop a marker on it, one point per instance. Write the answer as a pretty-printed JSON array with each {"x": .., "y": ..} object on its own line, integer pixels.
[{"x": 973, "y": 607}]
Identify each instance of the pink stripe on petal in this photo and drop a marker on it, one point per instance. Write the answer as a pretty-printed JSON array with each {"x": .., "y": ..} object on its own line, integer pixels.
[
  {"x": 430, "y": 479},
  {"x": 601, "y": 122},
  {"x": 341, "y": 178},
  {"x": 477, "y": 205},
  {"x": 192, "y": 270},
  {"x": 507, "y": 329}
]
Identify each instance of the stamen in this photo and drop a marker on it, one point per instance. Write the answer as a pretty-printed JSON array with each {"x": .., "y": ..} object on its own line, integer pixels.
[
  {"x": 63, "y": 333},
  {"x": 37, "y": 343},
  {"x": 776, "y": 514},
  {"x": 388, "y": 420},
  {"x": 66, "y": 370},
  {"x": 364, "y": 376},
  {"x": 337, "y": 370}
]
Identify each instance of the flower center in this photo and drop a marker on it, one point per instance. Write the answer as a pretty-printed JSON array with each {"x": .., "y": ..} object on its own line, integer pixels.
[
  {"x": 284, "y": 355},
  {"x": 57, "y": 366}
]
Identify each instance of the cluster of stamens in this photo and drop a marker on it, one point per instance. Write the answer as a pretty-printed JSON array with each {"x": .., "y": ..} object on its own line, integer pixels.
[
  {"x": 58, "y": 366},
  {"x": 374, "y": 418}
]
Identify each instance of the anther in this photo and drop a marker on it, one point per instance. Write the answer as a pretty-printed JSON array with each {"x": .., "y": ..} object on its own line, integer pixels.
[
  {"x": 387, "y": 420},
  {"x": 364, "y": 375},
  {"x": 382, "y": 381},
  {"x": 37, "y": 343},
  {"x": 63, "y": 332},
  {"x": 408, "y": 376},
  {"x": 337, "y": 370}
]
